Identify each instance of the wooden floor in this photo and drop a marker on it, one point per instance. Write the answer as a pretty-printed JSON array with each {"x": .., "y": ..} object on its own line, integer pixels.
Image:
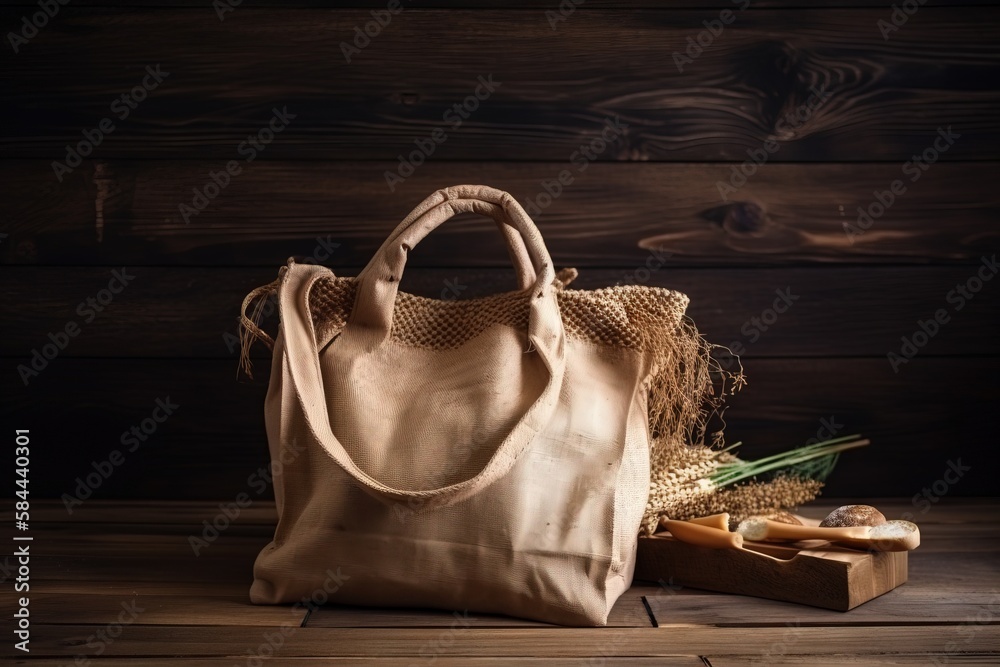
[{"x": 118, "y": 583}]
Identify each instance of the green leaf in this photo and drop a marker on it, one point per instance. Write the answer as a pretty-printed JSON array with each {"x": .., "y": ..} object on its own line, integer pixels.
[{"x": 811, "y": 461}]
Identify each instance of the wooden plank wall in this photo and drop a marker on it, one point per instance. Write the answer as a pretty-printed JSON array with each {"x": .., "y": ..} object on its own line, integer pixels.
[{"x": 838, "y": 104}]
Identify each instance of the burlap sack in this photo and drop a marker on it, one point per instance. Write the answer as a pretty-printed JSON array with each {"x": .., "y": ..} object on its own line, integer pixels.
[{"x": 489, "y": 455}]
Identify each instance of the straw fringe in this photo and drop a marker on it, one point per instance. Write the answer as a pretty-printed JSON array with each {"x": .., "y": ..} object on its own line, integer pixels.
[
  {"x": 250, "y": 330},
  {"x": 687, "y": 390}
]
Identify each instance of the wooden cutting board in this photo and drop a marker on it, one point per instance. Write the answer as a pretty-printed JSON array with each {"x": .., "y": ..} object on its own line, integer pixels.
[{"x": 813, "y": 573}]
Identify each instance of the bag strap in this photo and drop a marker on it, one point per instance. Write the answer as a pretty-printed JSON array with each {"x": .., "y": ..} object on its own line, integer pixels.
[{"x": 545, "y": 336}]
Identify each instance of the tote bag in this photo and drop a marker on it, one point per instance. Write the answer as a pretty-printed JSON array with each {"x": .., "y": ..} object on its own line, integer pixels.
[{"x": 486, "y": 455}]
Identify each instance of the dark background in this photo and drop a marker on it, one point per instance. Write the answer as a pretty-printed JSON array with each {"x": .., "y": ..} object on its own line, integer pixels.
[{"x": 169, "y": 333}]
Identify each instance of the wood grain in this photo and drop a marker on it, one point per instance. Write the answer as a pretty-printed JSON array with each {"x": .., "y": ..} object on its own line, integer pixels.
[
  {"x": 611, "y": 215},
  {"x": 189, "y": 569},
  {"x": 628, "y": 612},
  {"x": 201, "y": 623},
  {"x": 122, "y": 589},
  {"x": 192, "y": 312},
  {"x": 98, "y": 609},
  {"x": 887, "y": 97},
  {"x": 142, "y": 641},
  {"x": 139, "y": 515},
  {"x": 833, "y": 579},
  {"x": 88, "y": 540},
  {"x": 655, "y": 187}
]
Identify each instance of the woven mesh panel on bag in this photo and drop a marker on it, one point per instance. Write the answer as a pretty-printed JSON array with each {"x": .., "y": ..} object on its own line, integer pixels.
[{"x": 612, "y": 316}]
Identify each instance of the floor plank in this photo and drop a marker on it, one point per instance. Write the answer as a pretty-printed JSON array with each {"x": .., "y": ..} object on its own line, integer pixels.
[
  {"x": 629, "y": 612},
  {"x": 144, "y": 568},
  {"x": 194, "y": 613},
  {"x": 91, "y": 540},
  {"x": 121, "y": 589},
  {"x": 66, "y": 640},
  {"x": 191, "y": 609}
]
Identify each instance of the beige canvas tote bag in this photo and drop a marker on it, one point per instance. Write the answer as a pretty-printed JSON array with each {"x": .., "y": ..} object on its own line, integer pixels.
[{"x": 482, "y": 455}]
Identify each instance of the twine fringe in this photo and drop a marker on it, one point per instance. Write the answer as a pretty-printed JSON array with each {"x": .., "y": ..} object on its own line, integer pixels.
[{"x": 250, "y": 330}]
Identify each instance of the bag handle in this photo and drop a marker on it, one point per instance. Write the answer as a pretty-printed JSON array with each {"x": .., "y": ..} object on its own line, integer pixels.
[
  {"x": 378, "y": 282},
  {"x": 545, "y": 336},
  {"x": 519, "y": 256}
]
